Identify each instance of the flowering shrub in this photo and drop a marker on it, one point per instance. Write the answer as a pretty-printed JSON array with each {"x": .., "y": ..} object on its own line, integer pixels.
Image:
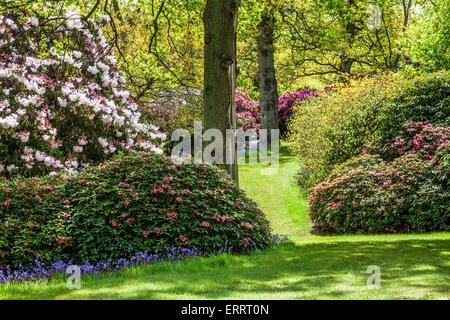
[
  {"x": 386, "y": 198},
  {"x": 424, "y": 98},
  {"x": 178, "y": 108},
  {"x": 286, "y": 104},
  {"x": 146, "y": 201},
  {"x": 61, "y": 106},
  {"x": 333, "y": 127},
  {"x": 419, "y": 138},
  {"x": 407, "y": 193},
  {"x": 247, "y": 111},
  {"x": 32, "y": 227}
]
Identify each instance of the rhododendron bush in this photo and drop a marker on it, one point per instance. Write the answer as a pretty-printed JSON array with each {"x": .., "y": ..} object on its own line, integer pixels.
[
  {"x": 419, "y": 138},
  {"x": 61, "y": 102},
  {"x": 247, "y": 111},
  {"x": 131, "y": 204},
  {"x": 401, "y": 187}
]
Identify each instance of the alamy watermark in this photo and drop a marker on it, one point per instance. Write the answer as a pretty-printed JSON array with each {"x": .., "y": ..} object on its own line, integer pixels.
[
  {"x": 74, "y": 281},
  {"x": 237, "y": 145},
  {"x": 374, "y": 20},
  {"x": 374, "y": 280}
]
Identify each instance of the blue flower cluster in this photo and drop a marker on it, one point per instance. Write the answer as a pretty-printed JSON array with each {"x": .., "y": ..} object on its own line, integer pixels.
[{"x": 40, "y": 271}]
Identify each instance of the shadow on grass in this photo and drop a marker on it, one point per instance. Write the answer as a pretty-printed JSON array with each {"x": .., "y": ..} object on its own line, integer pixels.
[{"x": 409, "y": 269}]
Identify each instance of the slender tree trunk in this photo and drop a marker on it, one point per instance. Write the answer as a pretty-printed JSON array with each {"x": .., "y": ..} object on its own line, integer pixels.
[
  {"x": 267, "y": 78},
  {"x": 220, "y": 22},
  {"x": 346, "y": 65},
  {"x": 347, "y": 62}
]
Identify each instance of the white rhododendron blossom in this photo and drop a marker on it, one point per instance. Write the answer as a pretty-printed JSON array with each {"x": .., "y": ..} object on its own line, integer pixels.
[{"x": 63, "y": 110}]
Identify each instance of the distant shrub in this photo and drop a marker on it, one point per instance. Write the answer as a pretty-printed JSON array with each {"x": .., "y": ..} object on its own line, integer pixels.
[
  {"x": 286, "y": 104},
  {"x": 176, "y": 109},
  {"x": 247, "y": 111},
  {"x": 133, "y": 204},
  {"x": 180, "y": 108}
]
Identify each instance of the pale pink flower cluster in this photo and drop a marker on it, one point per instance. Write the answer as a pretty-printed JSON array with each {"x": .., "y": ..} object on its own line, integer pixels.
[{"x": 57, "y": 111}]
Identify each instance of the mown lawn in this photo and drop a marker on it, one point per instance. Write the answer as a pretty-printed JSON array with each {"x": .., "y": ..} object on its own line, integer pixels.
[{"x": 309, "y": 267}]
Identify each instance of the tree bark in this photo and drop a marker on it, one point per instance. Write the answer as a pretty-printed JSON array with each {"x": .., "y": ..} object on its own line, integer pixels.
[
  {"x": 268, "y": 87},
  {"x": 346, "y": 65},
  {"x": 220, "y": 22}
]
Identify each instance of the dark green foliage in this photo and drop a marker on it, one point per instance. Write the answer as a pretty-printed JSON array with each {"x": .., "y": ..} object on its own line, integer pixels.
[
  {"x": 400, "y": 187},
  {"x": 32, "y": 223},
  {"x": 387, "y": 198},
  {"x": 132, "y": 204},
  {"x": 425, "y": 99}
]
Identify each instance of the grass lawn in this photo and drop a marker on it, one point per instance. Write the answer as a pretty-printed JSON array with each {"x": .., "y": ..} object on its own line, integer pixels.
[{"x": 310, "y": 267}]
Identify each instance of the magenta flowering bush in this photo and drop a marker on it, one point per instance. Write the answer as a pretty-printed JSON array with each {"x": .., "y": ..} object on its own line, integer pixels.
[
  {"x": 414, "y": 138},
  {"x": 146, "y": 201},
  {"x": 61, "y": 103},
  {"x": 401, "y": 187},
  {"x": 247, "y": 111},
  {"x": 286, "y": 104}
]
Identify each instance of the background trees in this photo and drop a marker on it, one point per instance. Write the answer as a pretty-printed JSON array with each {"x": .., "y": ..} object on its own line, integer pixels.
[
  {"x": 268, "y": 87},
  {"x": 336, "y": 37},
  {"x": 429, "y": 38}
]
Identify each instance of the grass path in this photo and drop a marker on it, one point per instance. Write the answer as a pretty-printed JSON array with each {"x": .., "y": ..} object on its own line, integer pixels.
[
  {"x": 311, "y": 267},
  {"x": 277, "y": 195}
]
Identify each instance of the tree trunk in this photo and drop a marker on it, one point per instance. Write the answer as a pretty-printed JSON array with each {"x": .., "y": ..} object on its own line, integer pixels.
[
  {"x": 267, "y": 78},
  {"x": 220, "y": 22},
  {"x": 346, "y": 65}
]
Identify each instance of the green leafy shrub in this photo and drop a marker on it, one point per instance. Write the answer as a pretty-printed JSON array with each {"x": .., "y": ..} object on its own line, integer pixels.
[
  {"x": 32, "y": 225},
  {"x": 441, "y": 165},
  {"x": 336, "y": 126},
  {"x": 422, "y": 99},
  {"x": 133, "y": 204},
  {"x": 399, "y": 197},
  {"x": 407, "y": 193}
]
